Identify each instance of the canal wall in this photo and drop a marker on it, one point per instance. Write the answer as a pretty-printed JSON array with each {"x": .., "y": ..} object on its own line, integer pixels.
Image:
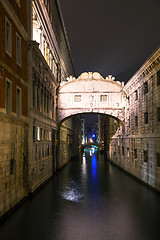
[
  {"x": 135, "y": 146},
  {"x": 69, "y": 141}
]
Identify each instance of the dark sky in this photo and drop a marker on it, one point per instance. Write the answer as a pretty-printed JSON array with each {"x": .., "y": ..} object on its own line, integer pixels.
[{"x": 111, "y": 37}]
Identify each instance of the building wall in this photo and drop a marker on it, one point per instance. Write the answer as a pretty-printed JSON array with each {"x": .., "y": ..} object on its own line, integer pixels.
[
  {"x": 136, "y": 146},
  {"x": 49, "y": 63},
  {"x": 28, "y": 139},
  {"x": 13, "y": 105},
  {"x": 69, "y": 141}
]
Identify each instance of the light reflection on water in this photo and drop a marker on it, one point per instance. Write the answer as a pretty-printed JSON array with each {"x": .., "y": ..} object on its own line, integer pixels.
[
  {"x": 72, "y": 192},
  {"x": 84, "y": 166},
  {"x": 88, "y": 199},
  {"x": 94, "y": 166}
]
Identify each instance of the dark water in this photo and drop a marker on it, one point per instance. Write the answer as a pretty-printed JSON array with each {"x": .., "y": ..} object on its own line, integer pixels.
[{"x": 90, "y": 200}]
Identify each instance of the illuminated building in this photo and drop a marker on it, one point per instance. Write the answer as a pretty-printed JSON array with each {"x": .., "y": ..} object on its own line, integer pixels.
[
  {"x": 136, "y": 145},
  {"x": 49, "y": 63},
  {"x": 13, "y": 103}
]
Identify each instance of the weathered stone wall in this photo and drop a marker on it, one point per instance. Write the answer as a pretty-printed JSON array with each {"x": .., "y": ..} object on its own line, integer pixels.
[
  {"x": 13, "y": 106},
  {"x": 48, "y": 63},
  {"x": 135, "y": 147},
  {"x": 69, "y": 141},
  {"x": 13, "y": 162}
]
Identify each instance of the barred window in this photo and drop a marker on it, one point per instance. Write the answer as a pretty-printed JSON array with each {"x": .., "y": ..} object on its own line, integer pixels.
[
  {"x": 145, "y": 87},
  {"x": 145, "y": 156},
  {"x": 18, "y": 102},
  {"x": 146, "y": 117},
  {"x": 8, "y": 97},
  {"x": 122, "y": 150},
  {"x": 136, "y": 121},
  {"x": 8, "y": 37},
  {"x": 18, "y": 49},
  {"x": 158, "y": 78},
  {"x": 136, "y": 95},
  {"x": 12, "y": 166},
  {"x": 158, "y": 159},
  {"x": 158, "y": 113},
  {"x": 77, "y": 98},
  {"x": 127, "y": 152},
  {"x": 103, "y": 98},
  {"x": 135, "y": 153}
]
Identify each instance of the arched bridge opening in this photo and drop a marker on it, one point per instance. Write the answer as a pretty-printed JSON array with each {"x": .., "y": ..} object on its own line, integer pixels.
[{"x": 91, "y": 93}]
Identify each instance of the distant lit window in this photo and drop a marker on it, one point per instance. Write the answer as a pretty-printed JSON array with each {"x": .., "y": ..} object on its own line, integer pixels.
[
  {"x": 103, "y": 98},
  {"x": 158, "y": 78},
  {"x": 8, "y": 37},
  {"x": 158, "y": 113},
  {"x": 38, "y": 133},
  {"x": 49, "y": 135},
  {"x": 41, "y": 133},
  {"x": 145, "y": 156},
  {"x": 77, "y": 98},
  {"x": 18, "y": 49},
  {"x": 8, "y": 97},
  {"x": 145, "y": 87},
  {"x": 146, "y": 117}
]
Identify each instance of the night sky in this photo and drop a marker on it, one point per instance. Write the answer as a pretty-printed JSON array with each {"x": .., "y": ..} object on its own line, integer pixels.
[{"x": 111, "y": 37}]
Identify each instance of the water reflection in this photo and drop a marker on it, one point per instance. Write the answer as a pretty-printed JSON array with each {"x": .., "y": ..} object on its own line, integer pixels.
[
  {"x": 84, "y": 166},
  {"x": 72, "y": 192},
  {"x": 88, "y": 199},
  {"x": 94, "y": 166}
]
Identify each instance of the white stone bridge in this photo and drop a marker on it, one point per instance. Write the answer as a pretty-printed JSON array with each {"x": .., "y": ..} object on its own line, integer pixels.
[{"x": 91, "y": 93}]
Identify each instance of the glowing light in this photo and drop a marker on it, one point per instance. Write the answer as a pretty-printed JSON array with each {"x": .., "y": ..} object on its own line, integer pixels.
[
  {"x": 94, "y": 166},
  {"x": 72, "y": 193}
]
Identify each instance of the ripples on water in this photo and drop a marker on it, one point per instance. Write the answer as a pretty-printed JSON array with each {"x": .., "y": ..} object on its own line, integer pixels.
[
  {"x": 88, "y": 200},
  {"x": 72, "y": 192}
]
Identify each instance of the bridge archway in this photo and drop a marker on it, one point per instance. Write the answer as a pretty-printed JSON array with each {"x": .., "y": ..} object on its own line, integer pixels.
[{"x": 91, "y": 93}]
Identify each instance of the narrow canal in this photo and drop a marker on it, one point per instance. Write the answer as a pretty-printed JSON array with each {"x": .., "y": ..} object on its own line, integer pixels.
[{"x": 90, "y": 200}]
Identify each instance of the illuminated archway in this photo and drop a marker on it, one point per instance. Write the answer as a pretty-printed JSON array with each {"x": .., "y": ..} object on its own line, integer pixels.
[{"x": 91, "y": 93}]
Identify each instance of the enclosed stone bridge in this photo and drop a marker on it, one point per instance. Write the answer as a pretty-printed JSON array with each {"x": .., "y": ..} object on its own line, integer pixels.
[
  {"x": 87, "y": 145},
  {"x": 91, "y": 93}
]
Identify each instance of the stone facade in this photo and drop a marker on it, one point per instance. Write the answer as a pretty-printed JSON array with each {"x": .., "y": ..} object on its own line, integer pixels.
[
  {"x": 69, "y": 141},
  {"x": 30, "y": 138},
  {"x": 135, "y": 147},
  {"x": 13, "y": 104},
  {"x": 91, "y": 93},
  {"x": 49, "y": 63}
]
